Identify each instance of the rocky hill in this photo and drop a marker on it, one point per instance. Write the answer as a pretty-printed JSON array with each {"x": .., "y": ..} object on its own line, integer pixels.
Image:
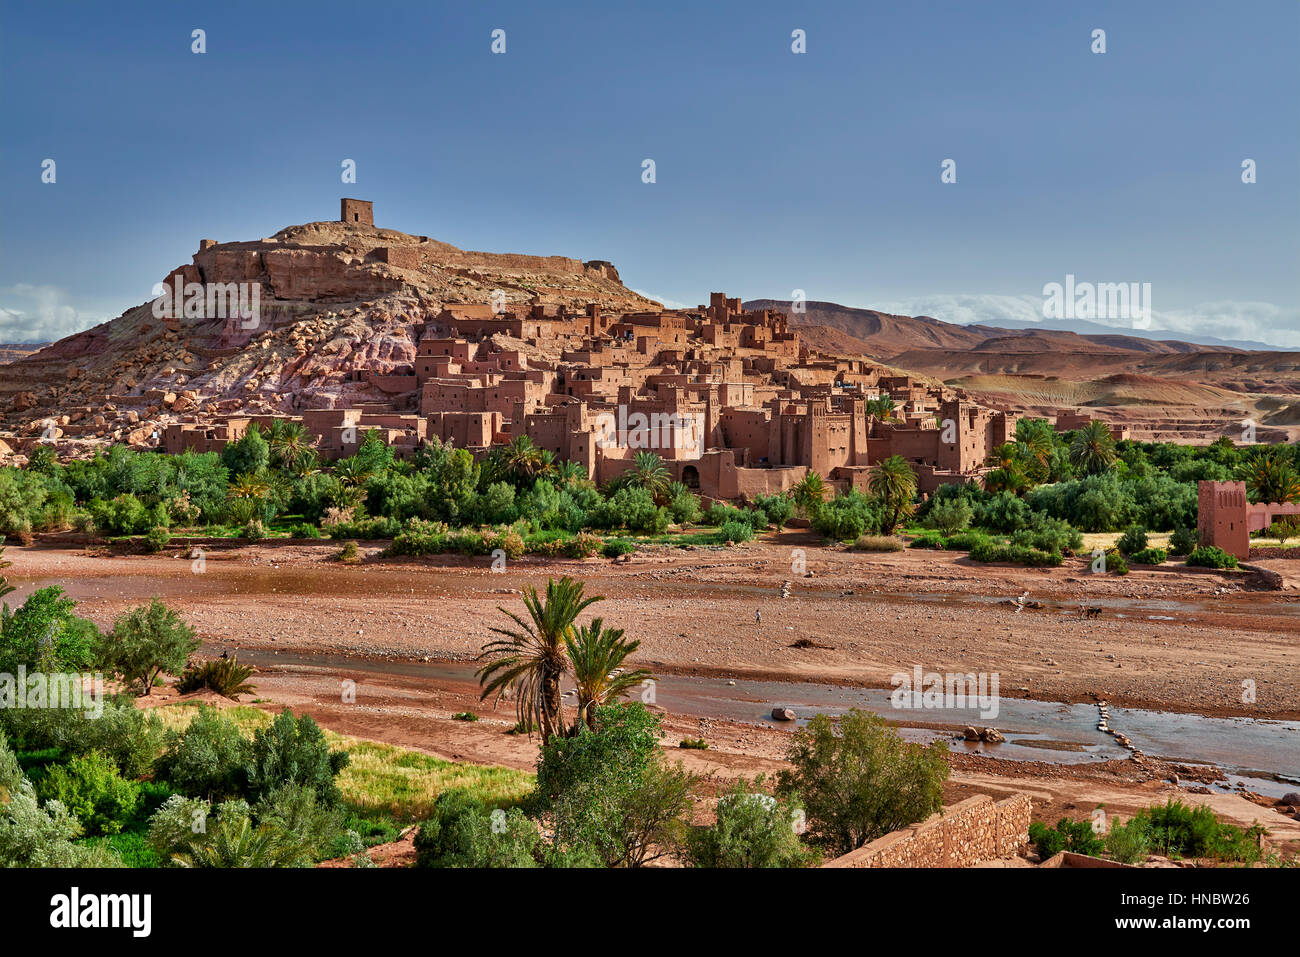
[{"x": 334, "y": 298}]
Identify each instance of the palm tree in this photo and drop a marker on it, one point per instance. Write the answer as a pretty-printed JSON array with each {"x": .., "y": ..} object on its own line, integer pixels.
[
  {"x": 1004, "y": 456},
  {"x": 649, "y": 472},
  {"x": 524, "y": 462},
  {"x": 1006, "y": 479},
  {"x": 1270, "y": 477},
  {"x": 529, "y": 659},
  {"x": 1092, "y": 450},
  {"x": 248, "y": 486},
  {"x": 233, "y": 844},
  {"x": 290, "y": 445},
  {"x": 882, "y": 408},
  {"x": 1035, "y": 453},
  {"x": 809, "y": 493},
  {"x": 571, "y": 474},
  {"x": 353, "y": 472},
  {"x": 246, "y": 493},
  {"x": 895, "y": 484},
  {"x": 597, "y": 654},
  {"x": 306, "y": 464}
]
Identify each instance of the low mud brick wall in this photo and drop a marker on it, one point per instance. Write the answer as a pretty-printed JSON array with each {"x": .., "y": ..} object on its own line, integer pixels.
[{"x": 973, "y": 831}]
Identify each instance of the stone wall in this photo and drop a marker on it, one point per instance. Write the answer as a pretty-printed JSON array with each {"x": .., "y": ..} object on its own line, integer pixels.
[{"x": 973, "y": 831}]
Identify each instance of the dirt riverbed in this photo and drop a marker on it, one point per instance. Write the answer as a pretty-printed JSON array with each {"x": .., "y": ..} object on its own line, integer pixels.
[{"x": 1165, "y": 639}]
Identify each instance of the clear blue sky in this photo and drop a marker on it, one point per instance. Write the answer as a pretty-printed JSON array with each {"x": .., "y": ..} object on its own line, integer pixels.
[{"x": 775, "y": 171}]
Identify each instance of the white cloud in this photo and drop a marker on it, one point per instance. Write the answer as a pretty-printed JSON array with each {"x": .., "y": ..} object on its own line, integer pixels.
[
  {"x": 1251, "y": 321},
  {"x": 41, "y": 314},
  {"x": 1260, "y": 321},
  {"x": 965, "y": 309},
  {"x": 667, "y": 303}
]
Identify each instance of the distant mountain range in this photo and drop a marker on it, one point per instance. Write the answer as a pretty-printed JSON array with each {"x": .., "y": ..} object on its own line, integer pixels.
[
  {"x": 1085, "y": 328},
  {"x": 1168, "y": 387},
  {"x": 926, "y": 330}
]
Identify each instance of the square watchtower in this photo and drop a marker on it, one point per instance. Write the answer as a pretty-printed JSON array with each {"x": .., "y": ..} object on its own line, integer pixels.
[{"x": 359, "y": 212}]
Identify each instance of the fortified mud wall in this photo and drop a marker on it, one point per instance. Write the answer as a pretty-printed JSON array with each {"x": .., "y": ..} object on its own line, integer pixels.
[{"x": 975, "y": 830}]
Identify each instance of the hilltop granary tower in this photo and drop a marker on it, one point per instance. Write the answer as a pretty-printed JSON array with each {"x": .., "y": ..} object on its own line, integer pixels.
[{"x": 360, "y": 212}]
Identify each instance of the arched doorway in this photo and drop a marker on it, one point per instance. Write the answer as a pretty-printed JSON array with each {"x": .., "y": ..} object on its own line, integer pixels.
[{"x": 691, "y": 477}]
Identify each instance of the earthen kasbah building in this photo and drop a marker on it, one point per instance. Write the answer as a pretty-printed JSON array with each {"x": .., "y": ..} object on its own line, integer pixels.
[
  {"x": 1226, "y": 517},
  {"x": 731, "y": 400}
]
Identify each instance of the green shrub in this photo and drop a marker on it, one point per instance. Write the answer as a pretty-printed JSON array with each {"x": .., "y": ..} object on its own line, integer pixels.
[
  {"x": 226, "y": 676},
  {"x": 304, "y": 530},
  {"x": 858, "y": 779},
  {"x": 369, "y": 529},
  {"x": 751, "y": 829},
  {"x": 1182, "y": 541},
  {"x": 1133, "y": 540},
  {"x": 175, "y": 824},
  {"x": 632, "y": 508},
  {"x": 848, "y": 516},
  {"x": 147, "y": 641},
  {"x": 778, "y": 509},
  {"x": 44, "y": 635},
  {"x": 306, "y": 827},
  {"x": 1211, "y": 556},
  {"x": 683, "y": 505},
  {"x": 1003, "y": 512},
  {"x": 129, "y": 737},
  {"x": 1076, "y": 836},
  {"x": 419, "y": 537},
  {"x": 123, "y": 515},
  {"x": 614, "y": 547},
  {"x": 36, "y": 836},
  {"x": 208, "y": 759},
  {"x": 463, "y": 832},
  {"x": 877, "y": 543},
  {"x": 612, "y": 796},
  {"x": 1284, "y": 529},
  {"x": 733, "y": 532},
  {"x": 1015, "y": 554},
  {"x": 950, "y": 515},
  {"x": 693, "y": 744},
  {"x": 965, "y": 541},
  {"x": 1116, "y": 564},
  {"x": 190, "y": 834},
  {"x": 157, "y": 538},
  {"x": 92, "y": 789},
  {"x": 1128, "y": 843},
  {"x": 293, "y": 750},
  {"x": 1149, "y": 556},
  {"x": 719, "y": 513},
  {"x": 1048, "y": 535},
  {"x": 1175, "y": 829},
  {"x": 464, "y": 716}
]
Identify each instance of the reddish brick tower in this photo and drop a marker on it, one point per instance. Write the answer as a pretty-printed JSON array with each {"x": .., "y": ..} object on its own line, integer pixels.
[
  {"x": 359, "y": 212},
  {"x": 1222, "y": 516}
]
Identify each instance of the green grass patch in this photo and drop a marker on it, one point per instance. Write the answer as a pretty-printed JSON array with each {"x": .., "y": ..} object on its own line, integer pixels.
[
  {"x": 383, "y": 779},
  {"x": 404, "y": 784}
]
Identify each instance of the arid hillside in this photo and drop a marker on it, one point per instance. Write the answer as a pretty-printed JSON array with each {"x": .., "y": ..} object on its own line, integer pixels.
[
  {"x": 1163, "y": 389},
  {"x": 334, "y": 298}
]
